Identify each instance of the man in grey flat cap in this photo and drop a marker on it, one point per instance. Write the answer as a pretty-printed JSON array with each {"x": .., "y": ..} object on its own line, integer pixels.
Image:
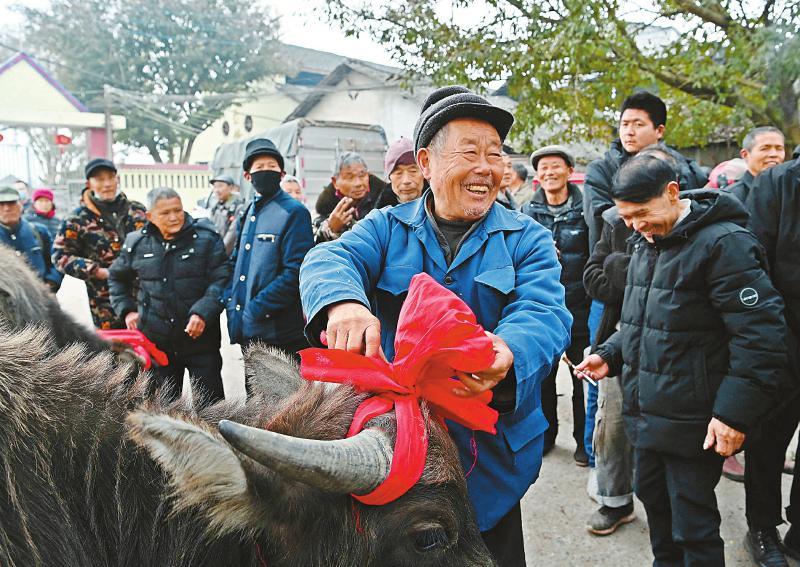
[
  {"x": 226, "y": 209},
  {"x": 500, "y": 262},
  {"x": 558, "y": 206}
]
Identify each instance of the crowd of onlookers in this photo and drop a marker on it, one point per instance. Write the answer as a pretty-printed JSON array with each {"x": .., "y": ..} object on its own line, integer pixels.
[{"x": 688, "y": 301}]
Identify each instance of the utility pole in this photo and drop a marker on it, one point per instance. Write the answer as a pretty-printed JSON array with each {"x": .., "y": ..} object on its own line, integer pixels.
[{"x": 109, "y": 129}]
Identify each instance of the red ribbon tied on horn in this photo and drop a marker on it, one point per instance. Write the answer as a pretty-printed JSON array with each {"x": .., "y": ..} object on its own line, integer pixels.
[{"x": 437, "y": 335}]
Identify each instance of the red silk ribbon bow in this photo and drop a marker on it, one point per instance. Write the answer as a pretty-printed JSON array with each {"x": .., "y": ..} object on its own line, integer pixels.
[
  {"x": 140, "y": 344},
  {"x": 437, "y": 335}
]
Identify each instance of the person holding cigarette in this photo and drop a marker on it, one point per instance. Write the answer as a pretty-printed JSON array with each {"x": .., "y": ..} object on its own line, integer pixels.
[{"x": 700, "y": 351}]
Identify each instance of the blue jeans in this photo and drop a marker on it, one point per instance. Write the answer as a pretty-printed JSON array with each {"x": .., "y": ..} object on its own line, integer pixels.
[{"x": 595, "y": 313}]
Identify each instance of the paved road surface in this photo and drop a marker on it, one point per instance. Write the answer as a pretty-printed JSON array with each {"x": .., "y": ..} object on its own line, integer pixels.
[{"x": 556, "y": 508}]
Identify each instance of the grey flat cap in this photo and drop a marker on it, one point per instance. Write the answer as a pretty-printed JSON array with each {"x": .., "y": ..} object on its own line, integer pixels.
[
  {"x": 555, "y": 150},
  {"x": 8, "y": 194},
  {"x": 449, "y": 103},
  {"x": 224, "y": 178}
]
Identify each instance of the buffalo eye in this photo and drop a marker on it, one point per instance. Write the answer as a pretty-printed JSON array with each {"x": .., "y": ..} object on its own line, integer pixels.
[{"x": 430, "y": 538}]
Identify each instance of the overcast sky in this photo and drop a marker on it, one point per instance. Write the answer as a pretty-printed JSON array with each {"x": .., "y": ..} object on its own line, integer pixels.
[{"x": 300, "y": 25}]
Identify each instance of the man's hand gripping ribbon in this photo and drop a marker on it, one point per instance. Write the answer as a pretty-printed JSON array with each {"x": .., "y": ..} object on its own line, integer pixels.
[{"x": 437, "y": 335}]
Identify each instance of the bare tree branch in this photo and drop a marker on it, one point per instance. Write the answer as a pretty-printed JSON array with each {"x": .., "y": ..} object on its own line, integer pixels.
[{"x": 717, "y": 15}]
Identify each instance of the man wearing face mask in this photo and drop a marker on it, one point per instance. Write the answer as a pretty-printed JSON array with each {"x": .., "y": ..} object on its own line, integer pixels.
[
  {"x": 263, "y": 301},
  {"x": 91, "y": 238}
]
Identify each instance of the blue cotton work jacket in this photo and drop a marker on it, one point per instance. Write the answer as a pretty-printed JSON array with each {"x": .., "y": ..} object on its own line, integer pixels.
[
  {"x": 33, "y": 241},
  {"x": 263, "y": 300},
  {"x": 507, "y": 271}
]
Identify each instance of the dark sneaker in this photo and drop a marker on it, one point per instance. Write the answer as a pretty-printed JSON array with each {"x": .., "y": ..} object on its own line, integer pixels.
[
  {"x": 580, "y": 456},
  {"x": 606, "y": 520},
  {"x": 764, "y": 547},
  {"x": 791, "y": 543},
  {"x": 733, "y": 469}
]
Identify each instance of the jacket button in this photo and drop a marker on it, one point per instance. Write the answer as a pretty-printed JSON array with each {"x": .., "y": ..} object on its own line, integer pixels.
[
  {"x": 172, "y": 320},
  {"x": 194, "y": 236},
  {"x": 253, "y": 218},
  {"x": 238, "y": 308},
  {"x": 247, "y": 246},
  {"x": 165, "y": 279},
  {"x": 448, "y": 280},
  {"x": 241, "y": 278},
  {"x": 13, "y": 237}
]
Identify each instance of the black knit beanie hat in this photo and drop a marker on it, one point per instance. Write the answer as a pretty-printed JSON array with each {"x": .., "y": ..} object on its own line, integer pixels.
[{"x": 451, "y": 102}]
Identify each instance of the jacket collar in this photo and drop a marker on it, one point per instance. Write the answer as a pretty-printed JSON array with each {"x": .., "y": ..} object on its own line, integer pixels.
[
  {"x": 187, "y": 228},
  {"x": 498, "y": 218},
  {"x": 572, "y": 191}
]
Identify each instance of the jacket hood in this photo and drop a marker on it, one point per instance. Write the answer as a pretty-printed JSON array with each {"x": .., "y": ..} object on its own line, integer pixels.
[{"x": 708, "y": 207}]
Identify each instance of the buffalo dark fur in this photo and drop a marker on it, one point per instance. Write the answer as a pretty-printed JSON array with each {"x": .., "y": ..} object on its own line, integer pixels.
[
  {"x": 25, "y": 300},
  {"x": 96, "y": 473}
]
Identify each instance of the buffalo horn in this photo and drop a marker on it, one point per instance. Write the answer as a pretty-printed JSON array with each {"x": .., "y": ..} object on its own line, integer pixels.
[{"x": 354, "y": 465}]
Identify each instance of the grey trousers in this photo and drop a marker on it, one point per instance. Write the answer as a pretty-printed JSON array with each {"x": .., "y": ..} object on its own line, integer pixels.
[{"x": 613, "y": 453}]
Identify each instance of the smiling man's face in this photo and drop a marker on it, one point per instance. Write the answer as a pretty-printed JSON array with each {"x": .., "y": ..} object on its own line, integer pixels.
[
  {"x": 465, "y": 172},
  {"x": 768, "y": 151}
]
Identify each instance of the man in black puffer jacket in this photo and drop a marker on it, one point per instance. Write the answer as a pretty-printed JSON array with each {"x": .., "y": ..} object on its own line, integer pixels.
[
  {"x": 182, "y": 269},
  {"x": 701, "y": 349},
  {"x": 774, "y": 206},
  {"x": 558, "y": 206}
]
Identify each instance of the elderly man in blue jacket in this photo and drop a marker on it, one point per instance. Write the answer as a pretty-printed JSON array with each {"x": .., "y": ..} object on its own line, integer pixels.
[
  {"x": 500, "y": 262},
  {"x": 27, "y": 238}
]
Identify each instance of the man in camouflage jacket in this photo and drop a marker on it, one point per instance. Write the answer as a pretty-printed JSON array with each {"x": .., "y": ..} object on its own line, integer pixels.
[{"x": 90, "y": 239}]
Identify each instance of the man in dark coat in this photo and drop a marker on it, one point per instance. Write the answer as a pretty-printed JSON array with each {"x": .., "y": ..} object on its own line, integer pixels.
[
  {"x": 701, "y": 348},
  {"x": 181, "y": 268},
  {"x": 352, "y": 193},
  {"x": 604, "y": 280},
  {"x": 774, "y": 206},
  {"x": 762, "y": 148},
  {"x": 263, "y": 302},
  {"x": 558, "y": 206},
  {"x": 643, "y": 120},
  {"x": 91, "y": 238},
  {"x": 27, "y": 238}
]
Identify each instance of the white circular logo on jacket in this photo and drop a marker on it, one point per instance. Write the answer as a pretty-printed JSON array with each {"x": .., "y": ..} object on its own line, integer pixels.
[{"x": 748, "y": 296}]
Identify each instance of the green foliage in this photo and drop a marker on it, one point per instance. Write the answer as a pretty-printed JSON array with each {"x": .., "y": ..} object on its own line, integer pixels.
[
  {"x": 151, "y": 49},
  {"x": 723, "y": 65}
]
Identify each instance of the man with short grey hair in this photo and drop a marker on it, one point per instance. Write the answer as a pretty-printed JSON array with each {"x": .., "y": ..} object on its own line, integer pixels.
[
  {"x": 182, "y": 269},
  {"x": 762, "y": 148},
  {"x": 350, "y": 196},
  {"x": 500, "y": 262}
]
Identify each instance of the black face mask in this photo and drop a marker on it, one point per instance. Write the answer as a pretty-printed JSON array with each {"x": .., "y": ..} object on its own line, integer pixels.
[{"x": 267, "y": 183}]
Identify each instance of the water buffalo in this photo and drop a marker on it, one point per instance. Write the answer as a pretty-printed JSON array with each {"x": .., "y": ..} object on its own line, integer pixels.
[
  {"x": 25, "y": 300},
  {"x": 95, "y": 472}
]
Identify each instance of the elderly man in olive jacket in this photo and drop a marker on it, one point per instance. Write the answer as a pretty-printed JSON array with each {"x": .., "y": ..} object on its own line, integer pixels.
[{"x": 701, "y": 349}]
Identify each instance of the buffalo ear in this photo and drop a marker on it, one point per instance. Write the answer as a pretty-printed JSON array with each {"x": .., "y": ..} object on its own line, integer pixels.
[
  {"x": 271, "y": 372},
  {"x": 204, "y": 471}
]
